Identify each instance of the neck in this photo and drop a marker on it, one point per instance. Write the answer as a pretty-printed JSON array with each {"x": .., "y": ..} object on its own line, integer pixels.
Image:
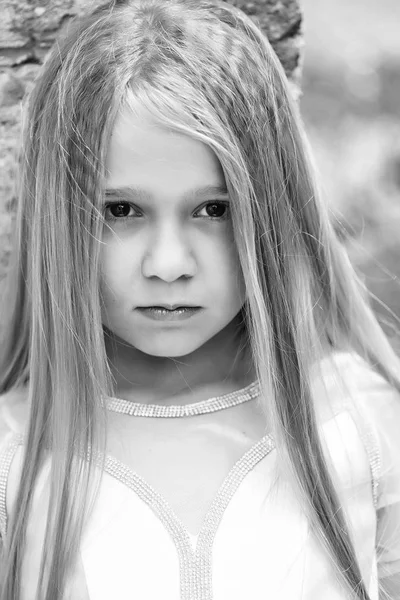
[{"x": 218, "y": 367}]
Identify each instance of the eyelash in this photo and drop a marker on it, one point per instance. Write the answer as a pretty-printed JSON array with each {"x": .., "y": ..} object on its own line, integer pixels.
[{"x": 111, "y": 218}]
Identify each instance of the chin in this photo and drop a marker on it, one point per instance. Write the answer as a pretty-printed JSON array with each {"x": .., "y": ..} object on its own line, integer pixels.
[{"x": 169, "y": 350}]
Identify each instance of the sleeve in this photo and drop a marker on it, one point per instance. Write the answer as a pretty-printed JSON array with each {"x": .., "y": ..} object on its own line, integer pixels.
[
  {"x": 380, "y": 404},
  {"x": 12, "y": 422},
  {"x": 388, "y": 498},
  {"x": 5, "y": 437}
]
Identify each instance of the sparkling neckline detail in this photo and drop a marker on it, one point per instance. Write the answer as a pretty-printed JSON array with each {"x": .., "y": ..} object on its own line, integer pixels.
[{"x": 137, "y": 409}]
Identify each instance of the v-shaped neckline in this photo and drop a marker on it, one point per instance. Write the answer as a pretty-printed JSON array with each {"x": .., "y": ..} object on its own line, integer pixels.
[
  {"x": 195, "y": 552},
  {"x": 167, "y": 515}
]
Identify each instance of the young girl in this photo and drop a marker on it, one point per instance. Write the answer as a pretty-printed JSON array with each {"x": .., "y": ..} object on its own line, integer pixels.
[{"x": 197, "y": 401}]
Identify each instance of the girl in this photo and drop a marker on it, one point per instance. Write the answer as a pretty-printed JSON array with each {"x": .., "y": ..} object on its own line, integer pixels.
[{"x": 197, "y": 401}]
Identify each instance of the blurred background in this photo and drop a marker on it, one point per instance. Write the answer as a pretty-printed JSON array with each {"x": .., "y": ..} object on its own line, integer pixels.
[{"x": 351, "y": 108}]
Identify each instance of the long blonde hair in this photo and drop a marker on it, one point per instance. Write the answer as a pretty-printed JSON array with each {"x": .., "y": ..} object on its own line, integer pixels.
[{"x": 202, "y": 68}]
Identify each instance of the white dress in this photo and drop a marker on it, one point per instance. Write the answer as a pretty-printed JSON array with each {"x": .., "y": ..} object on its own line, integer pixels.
[{"x": 197, "y": 508}]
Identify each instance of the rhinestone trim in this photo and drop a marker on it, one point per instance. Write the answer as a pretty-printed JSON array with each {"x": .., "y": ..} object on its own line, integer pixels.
[
  {"x": 210, "y": 405},
  {"x": 6, "y": 459},
  {"x": 375, "y": 465},
  {"x": 374, "y": 457},
  {"x": 195, "y": 564}
]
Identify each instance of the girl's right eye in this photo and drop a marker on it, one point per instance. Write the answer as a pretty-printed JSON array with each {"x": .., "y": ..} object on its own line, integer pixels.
[{"x": 118, "y": 211}]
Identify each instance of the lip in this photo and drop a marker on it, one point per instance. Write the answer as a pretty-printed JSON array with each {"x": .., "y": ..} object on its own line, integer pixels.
[
  {"x": 160, "y": 313},
  {"x": 170, "y": 306}
]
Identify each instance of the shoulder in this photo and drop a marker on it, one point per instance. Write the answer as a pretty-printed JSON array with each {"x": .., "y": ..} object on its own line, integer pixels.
[
  {"x": 359, "y": 413},
  {"x": 344, "y": 382}
]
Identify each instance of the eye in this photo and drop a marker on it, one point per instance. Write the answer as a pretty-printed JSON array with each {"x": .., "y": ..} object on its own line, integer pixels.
[
  {"x": 215, "y": 210},
  {"x": 119, "y": 211}
]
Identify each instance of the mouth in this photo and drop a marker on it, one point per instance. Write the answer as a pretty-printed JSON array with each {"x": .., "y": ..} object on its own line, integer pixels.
[{"x": 167, "y": 313}]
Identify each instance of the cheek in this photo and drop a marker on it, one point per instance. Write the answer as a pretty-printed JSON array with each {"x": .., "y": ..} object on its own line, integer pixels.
[
  {"x": 227, "y": 271},
  {"x": 114, "y": 288},
  {"x": 236, "y": 274},
  {"x": 115, "y": 271}
]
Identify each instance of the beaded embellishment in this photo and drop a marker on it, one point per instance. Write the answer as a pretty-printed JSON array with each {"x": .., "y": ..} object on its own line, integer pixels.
[
  {"x": 210, "y": 405},
  {"x": 6, "y": 459}
]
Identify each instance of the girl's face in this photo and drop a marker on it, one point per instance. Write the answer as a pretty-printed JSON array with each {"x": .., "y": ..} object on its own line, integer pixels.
[{"x": 167, "y": 240}]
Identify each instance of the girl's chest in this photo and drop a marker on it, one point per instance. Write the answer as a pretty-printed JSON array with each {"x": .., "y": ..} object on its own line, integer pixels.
[
  {"x": 160, "y": 529},
  {"x": 186, "y": 465},
  {"x": 244, "y": 536},
  {"x": 187, "y": 469},
  {"x": 254, "y": 542}
]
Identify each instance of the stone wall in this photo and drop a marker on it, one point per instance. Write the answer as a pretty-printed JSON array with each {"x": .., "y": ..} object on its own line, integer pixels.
[{"x": 28, "y": 29}]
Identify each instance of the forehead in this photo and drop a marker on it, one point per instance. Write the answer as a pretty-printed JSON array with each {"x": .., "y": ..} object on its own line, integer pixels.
[{"x": 143, "y": 155}]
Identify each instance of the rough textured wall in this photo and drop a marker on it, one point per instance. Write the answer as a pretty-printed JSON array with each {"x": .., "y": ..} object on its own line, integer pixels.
[{"x": 28, "y": 28}]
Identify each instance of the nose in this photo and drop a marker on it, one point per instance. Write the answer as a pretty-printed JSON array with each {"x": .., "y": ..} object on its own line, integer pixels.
[{"x": 169, "y": 255}]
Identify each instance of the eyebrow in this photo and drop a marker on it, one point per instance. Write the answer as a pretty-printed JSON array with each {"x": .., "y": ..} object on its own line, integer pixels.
[{"x": 142, "y": 194}]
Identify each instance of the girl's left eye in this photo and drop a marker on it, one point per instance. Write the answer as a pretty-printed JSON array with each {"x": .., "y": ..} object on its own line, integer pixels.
[
  {"x": 124, "y": 210},
  {"x": 216, "y": 209}
]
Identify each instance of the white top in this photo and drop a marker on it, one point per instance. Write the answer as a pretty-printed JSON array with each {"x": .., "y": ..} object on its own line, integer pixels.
[{"x": 197, "y": 508}]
